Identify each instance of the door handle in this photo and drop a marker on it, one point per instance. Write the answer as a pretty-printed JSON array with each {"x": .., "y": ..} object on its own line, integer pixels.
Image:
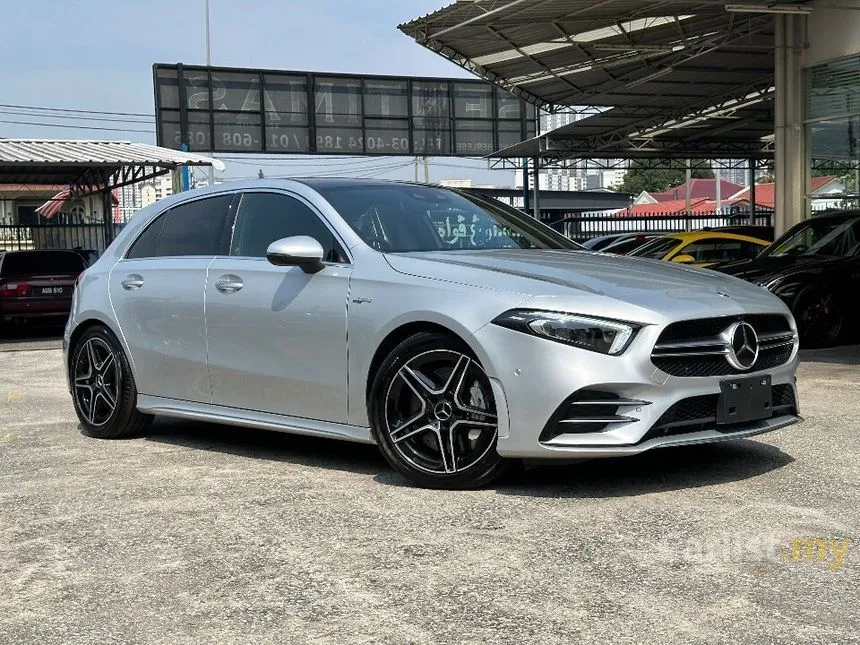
[
  {"x": 229, "y": 283},
  {"x": 132, "y": 282}
]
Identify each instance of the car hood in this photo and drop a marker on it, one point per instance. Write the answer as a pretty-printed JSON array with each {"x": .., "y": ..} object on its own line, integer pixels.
[
  {"x": 614, "y": 286},
  {"x": 766, "y": 268}
]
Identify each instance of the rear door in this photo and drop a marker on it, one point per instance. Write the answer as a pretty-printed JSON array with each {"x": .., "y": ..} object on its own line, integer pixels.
[
  {"x": 157, "y": 295},
  {"x": 277, "y": 335}
]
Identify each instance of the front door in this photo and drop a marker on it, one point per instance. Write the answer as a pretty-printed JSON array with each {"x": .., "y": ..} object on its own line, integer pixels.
[
  {"x": 277, "y": 335},
  {"x": 157, "y": 295}
]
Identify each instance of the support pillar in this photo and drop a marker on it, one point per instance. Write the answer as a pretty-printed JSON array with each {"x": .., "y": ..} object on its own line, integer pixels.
[
  {"x": 791, "y": 169},
  {"x": 752, "y": 193},
  {"x": 536, "y": 175},
  {"x": 688, "y": 187},
  {"x": 526, "y": 184},
  {"x": 107, "y": 216}
]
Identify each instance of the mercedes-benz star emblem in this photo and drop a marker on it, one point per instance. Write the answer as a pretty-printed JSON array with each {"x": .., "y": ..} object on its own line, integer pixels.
[
  {"x": 743, "y": 345},
  {"x": 443, "y": 411}
]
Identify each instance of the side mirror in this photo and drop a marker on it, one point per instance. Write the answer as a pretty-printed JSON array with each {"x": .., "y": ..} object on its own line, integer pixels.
[
  {"x": 684, "y": 259},
  {"x": 299, "y": 250}
]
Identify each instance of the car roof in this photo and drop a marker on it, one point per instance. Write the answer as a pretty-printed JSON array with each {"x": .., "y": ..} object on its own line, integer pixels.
[
  {"x": 34, "y": 251},
  {"x": 695, "y": 236},
  {"x": 833, "y": 215}
]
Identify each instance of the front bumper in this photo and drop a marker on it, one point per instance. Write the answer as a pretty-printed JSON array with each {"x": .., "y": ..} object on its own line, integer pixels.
[{"x": 533, "y": 377}]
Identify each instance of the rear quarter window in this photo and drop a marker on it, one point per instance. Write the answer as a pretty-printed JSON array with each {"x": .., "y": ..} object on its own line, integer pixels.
[{"x": 193, "y": 228}]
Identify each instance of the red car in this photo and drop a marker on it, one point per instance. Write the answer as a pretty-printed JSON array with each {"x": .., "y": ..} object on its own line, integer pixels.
[{"x": 38, "y": 284}]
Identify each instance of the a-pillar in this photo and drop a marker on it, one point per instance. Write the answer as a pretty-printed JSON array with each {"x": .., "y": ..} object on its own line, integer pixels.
[{"x": 790, "y": 156}]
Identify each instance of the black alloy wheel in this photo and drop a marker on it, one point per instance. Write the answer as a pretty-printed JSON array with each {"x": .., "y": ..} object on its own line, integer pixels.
[
  {"x": 103, "y": 388},
  {"x": 819, "y": 319},
  {"x": 434, "y": 415}
]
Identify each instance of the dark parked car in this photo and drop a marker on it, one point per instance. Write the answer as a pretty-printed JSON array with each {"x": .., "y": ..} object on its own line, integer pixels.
[
  {"x": 631, "y": 243},
  {"x": 38, "y": 284},
  {"x": 600, "y": 243},
  {"x": 815, "y": 268}
]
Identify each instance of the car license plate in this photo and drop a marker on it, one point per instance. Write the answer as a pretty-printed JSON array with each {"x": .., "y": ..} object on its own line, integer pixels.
[
  {"x": 52, "y": 291},
  {"x": 744, "y": 400}
]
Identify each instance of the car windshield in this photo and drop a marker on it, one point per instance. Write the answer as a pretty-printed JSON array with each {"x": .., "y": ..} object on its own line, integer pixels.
[
  {"x": 406, "y": 217},
  {"x": 41, "y": 263},
  {"x": 823, "y": 237},
  {"x": 656, "y": 248},
  {"x": 626, "y": 246}
]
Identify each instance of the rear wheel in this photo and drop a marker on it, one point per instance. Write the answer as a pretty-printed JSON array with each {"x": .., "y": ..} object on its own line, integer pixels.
[
  {"x": 819, "y": 320},
  {"x": 103, "y": 389},
  {"x": 434, "y": 416}
]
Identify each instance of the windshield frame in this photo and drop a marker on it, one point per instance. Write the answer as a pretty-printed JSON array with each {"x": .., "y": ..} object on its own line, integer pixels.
[{"x": 840, "y": 226}]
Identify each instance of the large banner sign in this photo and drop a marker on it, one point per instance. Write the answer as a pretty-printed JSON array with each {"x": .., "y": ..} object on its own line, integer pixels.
[{"x": 217, "y": 109}]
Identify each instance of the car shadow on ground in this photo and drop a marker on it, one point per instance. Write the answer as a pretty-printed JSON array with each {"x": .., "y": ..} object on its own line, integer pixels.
[
  {"x": 20, "y": 333},
  {"x": 655, "y": 471},
  {"x": 268, "y": 445}
]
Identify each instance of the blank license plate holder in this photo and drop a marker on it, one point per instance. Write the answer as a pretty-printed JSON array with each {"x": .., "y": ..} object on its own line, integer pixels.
[{"x": 744, "y": 400}]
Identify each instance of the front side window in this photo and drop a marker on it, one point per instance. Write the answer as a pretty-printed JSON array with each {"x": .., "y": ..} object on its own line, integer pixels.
[
  {"x": 192, "y": 228},
  {"x": 264, "y": 218},
  {"x": 399, "y": 218}
]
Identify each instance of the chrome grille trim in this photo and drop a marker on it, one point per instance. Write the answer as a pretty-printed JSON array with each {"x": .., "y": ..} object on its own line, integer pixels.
[
  {"x": 615, "y": 418},
  {"x": 708, "y": 355},
  {"x": 617, "y": 402}
]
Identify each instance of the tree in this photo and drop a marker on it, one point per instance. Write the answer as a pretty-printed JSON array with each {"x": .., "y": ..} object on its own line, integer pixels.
[{"x": 641, "y": 177}]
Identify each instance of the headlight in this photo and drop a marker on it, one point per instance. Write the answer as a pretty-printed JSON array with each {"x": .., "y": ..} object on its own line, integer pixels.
[{"x": 594, "y": 334}]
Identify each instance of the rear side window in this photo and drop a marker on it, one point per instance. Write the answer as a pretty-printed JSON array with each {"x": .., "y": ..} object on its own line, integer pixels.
[
  {"x": 41, "y": 263},
  {"x": 145, "y": 246},
  {"x": 194, "y": 228}
]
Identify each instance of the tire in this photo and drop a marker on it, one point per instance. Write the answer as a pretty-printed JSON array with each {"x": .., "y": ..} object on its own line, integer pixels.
[
  {"x": 819, "y": 321},
  {"x": 433, "y": 415},
  {"x": 103, "y": 389}
]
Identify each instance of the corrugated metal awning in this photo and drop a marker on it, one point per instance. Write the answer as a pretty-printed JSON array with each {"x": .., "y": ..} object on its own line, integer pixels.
[
  {"x": 90, "y": 165},
  {"x": 29, "y": 152}
]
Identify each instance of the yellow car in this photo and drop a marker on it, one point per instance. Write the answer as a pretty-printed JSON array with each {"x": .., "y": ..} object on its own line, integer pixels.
[{"x": 701, "y": 248}]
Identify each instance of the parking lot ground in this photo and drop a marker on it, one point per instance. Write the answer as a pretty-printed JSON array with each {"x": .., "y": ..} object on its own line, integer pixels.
[{"x": 200, "y": 533}]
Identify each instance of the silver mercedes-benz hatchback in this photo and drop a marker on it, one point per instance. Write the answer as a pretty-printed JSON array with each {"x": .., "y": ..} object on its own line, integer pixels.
[{"x": 454, "y": 332}]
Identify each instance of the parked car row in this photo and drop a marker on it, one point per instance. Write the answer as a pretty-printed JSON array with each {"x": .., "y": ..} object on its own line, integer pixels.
[{"x": 814, "y": 267}]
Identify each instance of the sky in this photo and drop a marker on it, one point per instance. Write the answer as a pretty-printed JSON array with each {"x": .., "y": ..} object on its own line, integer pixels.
[{"x": 98, "y": 55}]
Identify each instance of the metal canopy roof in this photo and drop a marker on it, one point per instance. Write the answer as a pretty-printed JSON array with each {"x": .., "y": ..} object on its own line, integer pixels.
[
  {"x": 659, "y": 64},
  {"x": 89, "y": 166},
  {"x": 744, "y": 132}
]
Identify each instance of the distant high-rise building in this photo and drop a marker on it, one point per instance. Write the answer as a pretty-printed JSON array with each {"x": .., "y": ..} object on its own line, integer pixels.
[
  {"x": 572, "y": 178},
  {"x": 141, "y": 194}
]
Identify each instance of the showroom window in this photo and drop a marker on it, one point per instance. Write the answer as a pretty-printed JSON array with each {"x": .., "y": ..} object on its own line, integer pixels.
[{"x": 833, "y": 120}]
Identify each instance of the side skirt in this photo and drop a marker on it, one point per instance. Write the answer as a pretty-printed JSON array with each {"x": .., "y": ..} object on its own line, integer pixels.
[{"x": 250, "y": 419}]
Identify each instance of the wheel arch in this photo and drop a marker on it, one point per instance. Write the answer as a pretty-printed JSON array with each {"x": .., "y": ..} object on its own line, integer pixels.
[
  {"x": 405, "y": 330},
  {"x": 86, "y": 323}
]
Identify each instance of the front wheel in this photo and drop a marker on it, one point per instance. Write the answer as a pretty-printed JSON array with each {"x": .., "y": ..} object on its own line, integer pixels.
[
  {"x": 434, "y": 416},
  {"x": 103, "y": 388}
]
